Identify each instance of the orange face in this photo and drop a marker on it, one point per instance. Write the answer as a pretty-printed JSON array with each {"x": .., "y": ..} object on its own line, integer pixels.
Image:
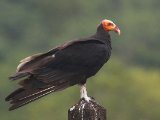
[{"x": 110, "y": 26}]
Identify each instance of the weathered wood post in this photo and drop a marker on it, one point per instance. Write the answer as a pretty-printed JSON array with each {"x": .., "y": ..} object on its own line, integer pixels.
[{"x": 84, "y": 110}]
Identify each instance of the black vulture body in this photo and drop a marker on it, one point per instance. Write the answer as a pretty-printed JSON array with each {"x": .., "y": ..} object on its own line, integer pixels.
[{"x": 64, "y": 66}]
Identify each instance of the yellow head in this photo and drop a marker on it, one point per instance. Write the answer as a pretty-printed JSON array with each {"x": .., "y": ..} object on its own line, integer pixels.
[{"x": 108, "y": 25}]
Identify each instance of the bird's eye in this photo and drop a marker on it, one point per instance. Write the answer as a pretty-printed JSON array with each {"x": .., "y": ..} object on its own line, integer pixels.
[{"x": 110, "y": 24}]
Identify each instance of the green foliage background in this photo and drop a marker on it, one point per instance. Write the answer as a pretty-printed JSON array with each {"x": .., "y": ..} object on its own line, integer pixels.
[{"x": 128, "y": 86}]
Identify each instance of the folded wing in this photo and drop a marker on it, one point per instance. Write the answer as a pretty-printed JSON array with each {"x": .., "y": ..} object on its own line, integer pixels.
[{"x": 56, "y": 70}]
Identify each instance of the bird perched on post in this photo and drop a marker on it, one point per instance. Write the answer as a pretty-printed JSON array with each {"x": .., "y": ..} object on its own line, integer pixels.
[{"x": 62, "y": 67}]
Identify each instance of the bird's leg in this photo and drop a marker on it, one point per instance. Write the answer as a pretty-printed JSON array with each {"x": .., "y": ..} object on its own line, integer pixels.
[{"x": 83, "y": 92}]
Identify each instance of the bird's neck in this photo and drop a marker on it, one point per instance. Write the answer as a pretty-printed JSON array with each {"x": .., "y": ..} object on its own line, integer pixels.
[{"x": 102, "y": 35}]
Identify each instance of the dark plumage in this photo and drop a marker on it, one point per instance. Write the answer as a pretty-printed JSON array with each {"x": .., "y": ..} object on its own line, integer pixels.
[{"x": 64, "y": 66}]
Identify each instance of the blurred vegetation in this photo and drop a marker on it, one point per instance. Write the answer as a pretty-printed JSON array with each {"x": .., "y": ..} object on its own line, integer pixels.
[{"x": 128, "y": 86}]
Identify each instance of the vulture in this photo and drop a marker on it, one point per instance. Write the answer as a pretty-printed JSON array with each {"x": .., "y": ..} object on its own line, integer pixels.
[{"x": 71, "y": 63}]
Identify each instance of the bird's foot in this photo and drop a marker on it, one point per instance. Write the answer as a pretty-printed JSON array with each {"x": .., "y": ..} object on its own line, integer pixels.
[
  {"x": 83, "y": 92},
  {"x": 86, "y": 98}
]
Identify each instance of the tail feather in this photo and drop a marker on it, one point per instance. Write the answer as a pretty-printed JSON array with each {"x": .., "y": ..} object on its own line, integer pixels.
[
  {"x": 9, "y": 97},
  {"x": 34, "y": 86},
  {"x": 16, "y": 103},
  {"x": 29, "y": 93},
  {"x": 20, "y": 98}
]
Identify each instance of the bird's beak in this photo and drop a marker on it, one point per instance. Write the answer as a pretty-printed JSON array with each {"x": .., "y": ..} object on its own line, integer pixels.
[{"x": 117, "y": 30}]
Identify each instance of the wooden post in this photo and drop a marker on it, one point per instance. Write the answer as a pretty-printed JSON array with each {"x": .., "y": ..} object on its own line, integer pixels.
[{"x": 84, "y": 110}]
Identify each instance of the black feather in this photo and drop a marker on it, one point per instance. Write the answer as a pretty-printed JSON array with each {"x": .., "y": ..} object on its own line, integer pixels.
[
  {"x": 9, "y": 97},
  {"x": 60, "y": 68},
  {"x": 19, "y": 75}
]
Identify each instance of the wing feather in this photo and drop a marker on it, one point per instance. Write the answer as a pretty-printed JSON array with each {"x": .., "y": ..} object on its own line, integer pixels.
[{"x": 58, "y": 69}]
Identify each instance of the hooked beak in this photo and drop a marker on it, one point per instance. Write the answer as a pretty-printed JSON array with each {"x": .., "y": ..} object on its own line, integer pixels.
[{"x": 117, "y": 30}]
